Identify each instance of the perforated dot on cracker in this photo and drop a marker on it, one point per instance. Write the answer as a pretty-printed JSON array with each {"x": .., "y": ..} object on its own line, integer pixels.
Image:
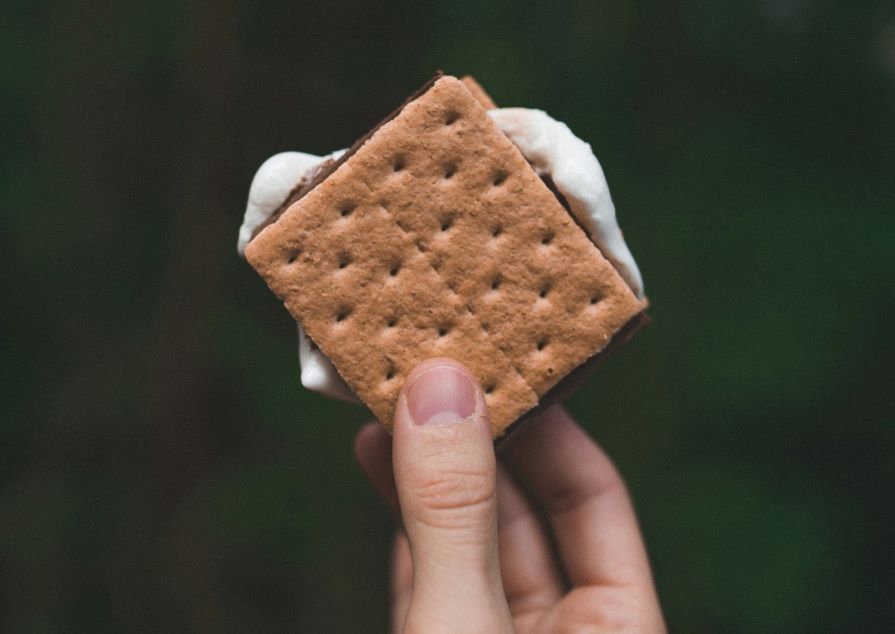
[{"x": 435, "y": 236}]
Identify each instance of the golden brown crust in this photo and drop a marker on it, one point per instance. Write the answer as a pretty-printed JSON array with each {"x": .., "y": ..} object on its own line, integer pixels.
[
  {"x": 478, "y": 92},
  {"x": 436, "y": 238}
]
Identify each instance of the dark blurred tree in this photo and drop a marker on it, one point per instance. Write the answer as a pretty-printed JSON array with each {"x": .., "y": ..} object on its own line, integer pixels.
[{"x": 162, "y": 469}]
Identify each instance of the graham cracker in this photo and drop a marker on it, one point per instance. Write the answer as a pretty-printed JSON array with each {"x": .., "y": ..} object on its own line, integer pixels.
[
  {"x": 478, "y": 92},
  {"x": 436, "y": 238}
]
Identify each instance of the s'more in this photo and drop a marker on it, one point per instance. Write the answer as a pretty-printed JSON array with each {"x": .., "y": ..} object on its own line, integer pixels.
[{"x": 452, "y": 229}]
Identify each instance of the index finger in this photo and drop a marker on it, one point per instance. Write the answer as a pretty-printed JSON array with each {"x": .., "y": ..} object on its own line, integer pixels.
[{"x": 578, "y": 489}]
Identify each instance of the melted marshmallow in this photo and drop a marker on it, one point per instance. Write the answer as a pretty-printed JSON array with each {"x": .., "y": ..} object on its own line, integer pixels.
[
  {"x": 274, "y": 181},
  {"x": 318, "y": 373},
  {"x": 551, "y": 148}
]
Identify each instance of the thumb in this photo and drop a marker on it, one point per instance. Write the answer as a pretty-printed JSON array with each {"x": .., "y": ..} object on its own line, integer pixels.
[{"x": 446, "y": 475}]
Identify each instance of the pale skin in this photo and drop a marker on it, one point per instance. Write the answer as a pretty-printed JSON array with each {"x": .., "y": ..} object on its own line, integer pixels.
[{"x": 542, "y": 538}]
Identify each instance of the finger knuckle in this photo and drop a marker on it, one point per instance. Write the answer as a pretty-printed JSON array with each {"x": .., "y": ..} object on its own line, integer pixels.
[
  {"x": 607, "y": 608},
  {"x": 454, "y": 490}
]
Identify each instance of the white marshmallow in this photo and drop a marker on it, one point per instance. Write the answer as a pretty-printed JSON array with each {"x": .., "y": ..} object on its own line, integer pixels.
[{"x": 553, "y": 150}]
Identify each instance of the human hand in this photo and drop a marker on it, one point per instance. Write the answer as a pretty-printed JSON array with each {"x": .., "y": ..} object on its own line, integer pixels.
[{"x": 545, "y": 540}]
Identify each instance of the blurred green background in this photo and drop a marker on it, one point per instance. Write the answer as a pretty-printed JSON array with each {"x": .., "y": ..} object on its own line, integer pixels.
[{"x": 161, "y": 468}]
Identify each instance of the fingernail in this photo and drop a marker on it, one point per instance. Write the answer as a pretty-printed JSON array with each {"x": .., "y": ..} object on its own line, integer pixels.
[{"x": 441, "y": 395}]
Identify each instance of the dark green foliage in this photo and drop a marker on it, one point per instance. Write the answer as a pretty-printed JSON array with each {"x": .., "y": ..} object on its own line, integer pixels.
[{"x": 161, "y": 468}]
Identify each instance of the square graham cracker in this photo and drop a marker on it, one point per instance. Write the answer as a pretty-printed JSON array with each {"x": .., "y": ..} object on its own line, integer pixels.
[{"x": 435, "y": 237}]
